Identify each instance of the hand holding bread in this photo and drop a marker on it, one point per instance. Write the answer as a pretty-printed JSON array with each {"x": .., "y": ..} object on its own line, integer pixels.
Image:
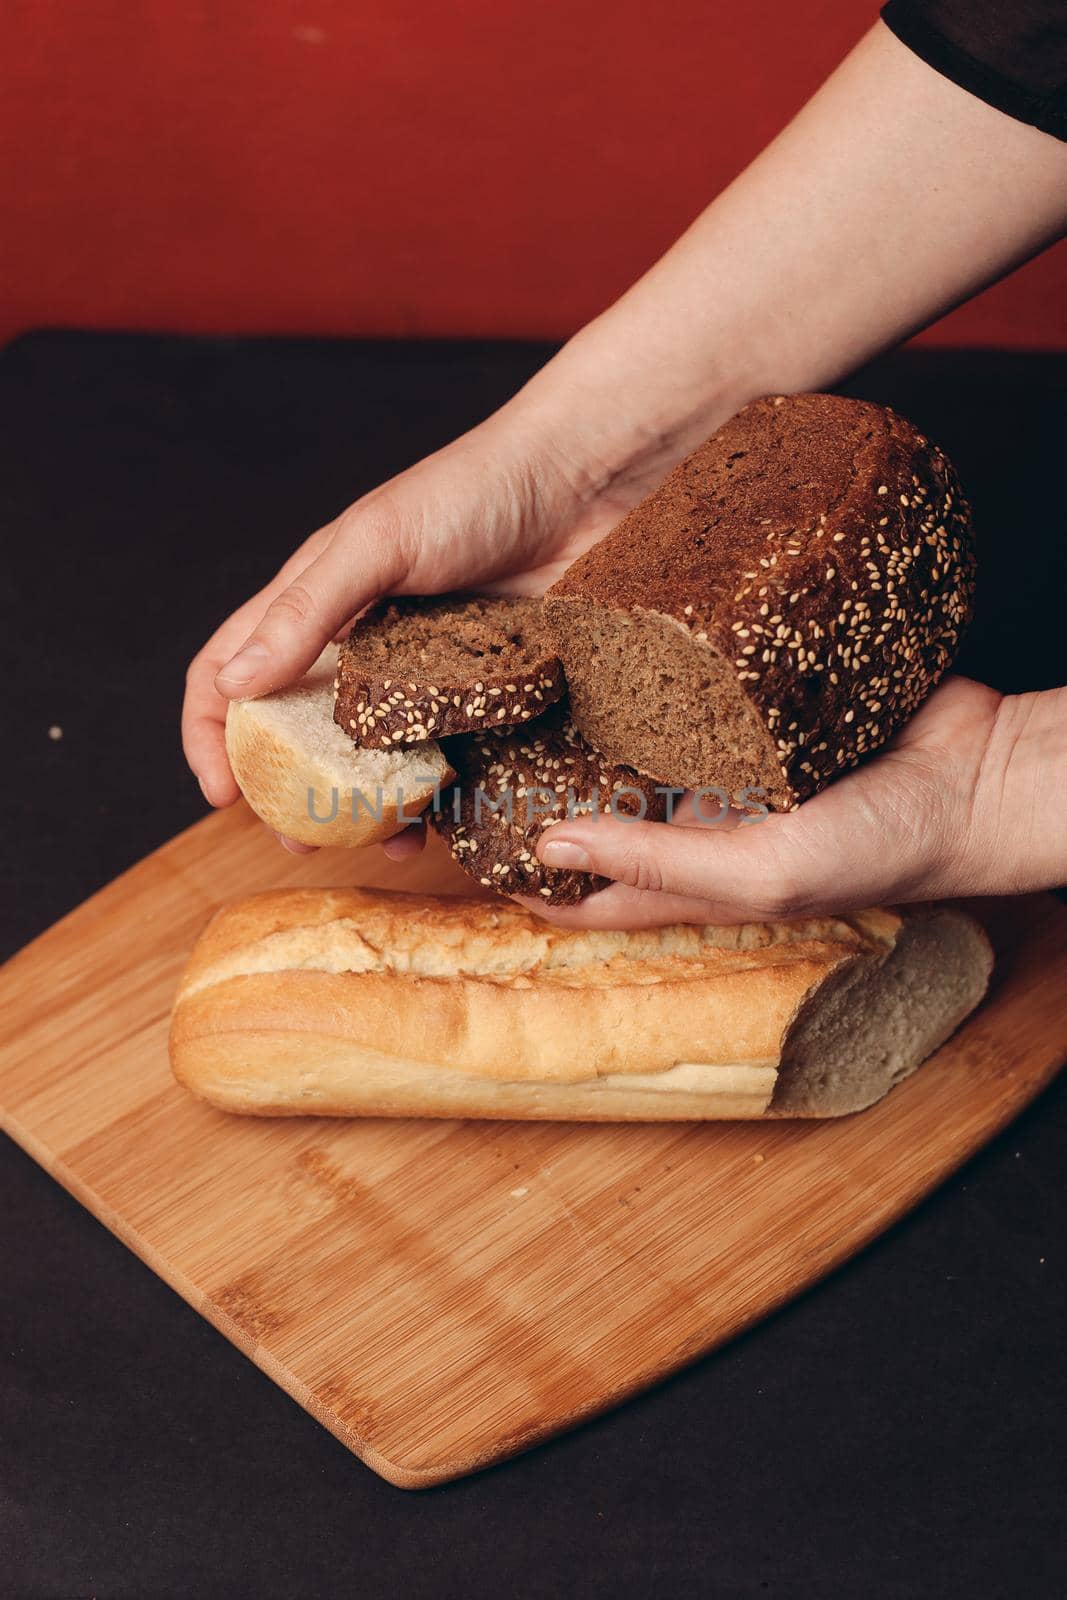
[{"x": 503, "y": 505}]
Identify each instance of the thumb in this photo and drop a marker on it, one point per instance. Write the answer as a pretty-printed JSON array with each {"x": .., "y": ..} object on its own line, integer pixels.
[{"x": 360, "y": 562}]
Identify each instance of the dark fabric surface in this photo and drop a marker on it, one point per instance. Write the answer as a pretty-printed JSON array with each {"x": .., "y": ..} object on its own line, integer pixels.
[
  {"x": 1010, "y": 53},
  {"x": 899, "y": 1431}
]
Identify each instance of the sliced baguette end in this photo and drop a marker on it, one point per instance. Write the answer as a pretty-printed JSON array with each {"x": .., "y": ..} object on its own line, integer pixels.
[{"x": 294, "y": 765}]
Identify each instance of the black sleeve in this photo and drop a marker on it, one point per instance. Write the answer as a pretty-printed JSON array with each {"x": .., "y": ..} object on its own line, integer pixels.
[{"x": 1010, "y": 53}]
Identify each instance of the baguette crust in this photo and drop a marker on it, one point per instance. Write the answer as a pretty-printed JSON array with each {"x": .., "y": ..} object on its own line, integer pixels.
[{"x": 358, "y": 1002}]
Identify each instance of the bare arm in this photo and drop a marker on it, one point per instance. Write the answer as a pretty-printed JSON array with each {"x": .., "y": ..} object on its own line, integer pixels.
[{"x": 891, "y": 197}]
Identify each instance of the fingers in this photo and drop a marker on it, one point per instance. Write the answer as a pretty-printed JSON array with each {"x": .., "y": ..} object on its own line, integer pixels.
[
  {"x": 364, "y": 559},
  {"x": 407, "y": 843},
  {"x": 204, "y": 731},
  {"x": 718, "y": 874},
  {"x": 621, "y": 907},
  {"x": 203, "y": 740},
  {"x": 881, "y": 834},
  {"x": 204, "y": 708},
  {"x": 294, "y": 846}
]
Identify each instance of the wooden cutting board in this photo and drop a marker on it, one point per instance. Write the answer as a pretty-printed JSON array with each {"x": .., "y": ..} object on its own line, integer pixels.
[{"x": 444, "y": 1294}]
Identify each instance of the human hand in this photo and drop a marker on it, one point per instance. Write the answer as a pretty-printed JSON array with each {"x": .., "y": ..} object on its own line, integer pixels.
[
  {"x": 953, "y": 806},
  {"x": 506, "y": 508}
]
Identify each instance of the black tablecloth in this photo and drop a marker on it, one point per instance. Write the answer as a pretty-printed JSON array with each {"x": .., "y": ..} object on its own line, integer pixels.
[{"x": 898, "y": 1431}]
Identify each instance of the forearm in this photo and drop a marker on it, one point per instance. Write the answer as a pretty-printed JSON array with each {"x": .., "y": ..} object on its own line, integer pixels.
[{"x": 892, "y": 196}]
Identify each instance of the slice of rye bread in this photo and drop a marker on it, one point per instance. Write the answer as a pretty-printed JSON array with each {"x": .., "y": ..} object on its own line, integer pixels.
[
  {"x": 549, "y": 771},
  {"x": 778, "y": 607},
  {"x": 416, "y": 669}
]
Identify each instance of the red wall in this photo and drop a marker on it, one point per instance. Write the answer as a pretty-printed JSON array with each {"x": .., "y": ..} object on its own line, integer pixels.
[{"x": 396, "y": 166}]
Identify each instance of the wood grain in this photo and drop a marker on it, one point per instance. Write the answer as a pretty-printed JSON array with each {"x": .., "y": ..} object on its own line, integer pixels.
[{"x": 443, "y": 1294}]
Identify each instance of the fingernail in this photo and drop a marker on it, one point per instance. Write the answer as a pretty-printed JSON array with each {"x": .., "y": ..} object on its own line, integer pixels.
[
  {"x": 204, "y": 791},
  {"x": 244, "y": 665},
  {"x": 294, "y": 847},
  {"x": 559, "y": 853}
]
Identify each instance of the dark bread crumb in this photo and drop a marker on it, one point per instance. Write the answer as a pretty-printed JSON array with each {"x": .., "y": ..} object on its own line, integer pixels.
[{"x": 415, "y": 669}]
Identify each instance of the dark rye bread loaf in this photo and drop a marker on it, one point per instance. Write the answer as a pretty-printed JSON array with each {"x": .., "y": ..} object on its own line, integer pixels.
[
  {"x": 416, "y": 669},
  {"x": 544, "y": 768},
  {"x": 778, "y": 607}
]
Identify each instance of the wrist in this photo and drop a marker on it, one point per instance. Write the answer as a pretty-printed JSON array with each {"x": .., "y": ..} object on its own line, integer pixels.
[
  {"x": 1021, "y": 838},
  {"x": 613, "y": 406}
]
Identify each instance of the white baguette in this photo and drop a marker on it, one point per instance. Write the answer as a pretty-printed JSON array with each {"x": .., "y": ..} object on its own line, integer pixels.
[
  {"x": 352, "y": 1002},
  {"x": 283, "y": 745}
]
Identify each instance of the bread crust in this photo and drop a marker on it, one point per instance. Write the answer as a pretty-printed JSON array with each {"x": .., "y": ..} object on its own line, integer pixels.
[
  {"x": 362, "y": 1002},
  {"x": 821, "y": 548}
]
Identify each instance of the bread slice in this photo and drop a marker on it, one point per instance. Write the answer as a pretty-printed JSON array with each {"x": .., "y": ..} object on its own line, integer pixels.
[
  {"x": 413, "y": 668},
  {"x": 512, "y": 783},
  {"x": 351, "y": 1002},
  {"x": 777, "y": 608},
  {"x": 294, "y": 766}
]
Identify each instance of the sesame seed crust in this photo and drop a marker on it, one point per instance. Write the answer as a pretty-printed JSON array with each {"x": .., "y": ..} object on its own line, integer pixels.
[
  {"x": 549, "y": 763},
  {"x": 823, "y": 548},
  {"x": 416, "y": 669}
]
